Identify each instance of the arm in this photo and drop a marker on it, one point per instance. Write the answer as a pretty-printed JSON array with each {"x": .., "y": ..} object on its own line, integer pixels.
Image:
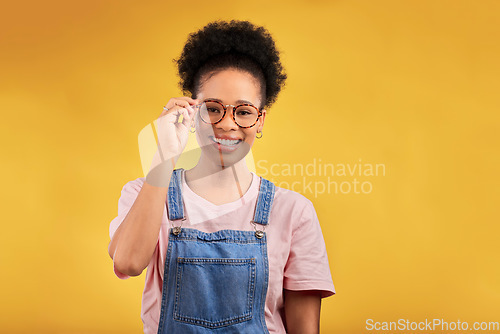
[
  {"x": 135, "y": 240},
  {"x": 302, "y": 311}
]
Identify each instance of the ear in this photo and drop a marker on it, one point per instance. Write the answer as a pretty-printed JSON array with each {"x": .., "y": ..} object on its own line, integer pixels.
[{"x": 261, "y": 120}]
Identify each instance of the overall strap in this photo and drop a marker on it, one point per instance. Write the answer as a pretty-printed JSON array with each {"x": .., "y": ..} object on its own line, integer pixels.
[
  {"x": 264, "y": 202},
  {"x": 174, "y": 203}
]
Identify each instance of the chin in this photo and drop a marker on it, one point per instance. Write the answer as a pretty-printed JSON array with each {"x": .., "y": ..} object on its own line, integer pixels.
[{"x": 223, "y": 156}]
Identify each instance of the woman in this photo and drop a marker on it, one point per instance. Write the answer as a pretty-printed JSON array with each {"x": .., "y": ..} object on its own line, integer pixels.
[{"x": 226, "y": 250}]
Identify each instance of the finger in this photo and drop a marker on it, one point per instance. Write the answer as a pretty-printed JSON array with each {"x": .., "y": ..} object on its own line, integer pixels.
[
  {"x": 186, "y": 120},
  {"x": 183, "y": 104},
  {"x": 188, "y": 99},
  {"x": 173, "y": 109},
  {"x": 180, "y": 101},
  {"x": 185, "y": 114},
  {"x": 172, "y": 115},
  {"x": 168, "y": 110},
  {"x": 192, "y": 114}
]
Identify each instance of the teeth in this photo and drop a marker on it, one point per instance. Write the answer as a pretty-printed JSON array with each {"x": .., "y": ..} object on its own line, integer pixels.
[{"x": 226, "y": 142}]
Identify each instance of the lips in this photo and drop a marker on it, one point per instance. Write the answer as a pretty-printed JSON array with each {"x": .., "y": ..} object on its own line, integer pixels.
[
  {"x": 225, "y": 145},
  {"x": 225, "y": 142}
]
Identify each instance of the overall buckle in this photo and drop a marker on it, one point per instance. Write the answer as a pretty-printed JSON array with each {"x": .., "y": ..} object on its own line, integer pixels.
[
  {"x": 258, "y": 233},
  {"x": 176, "y": 230}
]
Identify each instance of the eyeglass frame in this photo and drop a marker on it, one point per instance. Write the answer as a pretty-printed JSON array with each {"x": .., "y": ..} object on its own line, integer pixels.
[{"x": 233, "y": 108}]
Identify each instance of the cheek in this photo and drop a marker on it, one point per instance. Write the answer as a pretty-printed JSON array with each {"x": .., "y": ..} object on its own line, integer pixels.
[{"x": 250, "y": 136}]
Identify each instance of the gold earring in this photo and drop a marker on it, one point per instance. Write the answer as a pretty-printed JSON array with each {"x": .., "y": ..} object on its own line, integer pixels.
[{"x": 261, "y": 134}]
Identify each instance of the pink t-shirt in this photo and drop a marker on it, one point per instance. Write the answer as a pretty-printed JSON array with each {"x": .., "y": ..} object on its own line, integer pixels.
[{"x": 296, "y": 248}]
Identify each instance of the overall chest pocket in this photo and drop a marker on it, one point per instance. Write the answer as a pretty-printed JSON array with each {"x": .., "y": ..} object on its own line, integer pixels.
[{"x": 214, "y": 292}]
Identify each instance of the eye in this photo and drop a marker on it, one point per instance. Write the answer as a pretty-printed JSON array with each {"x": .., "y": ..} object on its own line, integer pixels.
[{"x": 246, "y": 111}]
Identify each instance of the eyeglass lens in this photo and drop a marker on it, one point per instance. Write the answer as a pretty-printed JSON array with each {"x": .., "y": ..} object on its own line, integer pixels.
[{"x": 212, "y": 112}]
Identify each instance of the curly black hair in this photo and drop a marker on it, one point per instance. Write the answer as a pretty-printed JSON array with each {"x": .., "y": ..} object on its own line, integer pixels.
[{"x": 234, "y": 44}]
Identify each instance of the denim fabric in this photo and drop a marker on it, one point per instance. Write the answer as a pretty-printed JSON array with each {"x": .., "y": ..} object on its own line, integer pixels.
[
  {"x": 174, "y": 202},
  {"x": 264, "y": 202},
  {"x": 215, "y": 282}
]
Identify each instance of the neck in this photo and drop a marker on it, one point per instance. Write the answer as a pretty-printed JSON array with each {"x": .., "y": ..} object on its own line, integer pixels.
[{"x": 208, "y": 175}]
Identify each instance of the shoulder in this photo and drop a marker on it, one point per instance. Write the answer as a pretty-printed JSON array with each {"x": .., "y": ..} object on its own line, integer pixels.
[
  {"x": 290, "y": 197},
  {"x": 291, "y": 204},
  {"x": 129, "y": 193},
  {"x": 133, "y": 185}
]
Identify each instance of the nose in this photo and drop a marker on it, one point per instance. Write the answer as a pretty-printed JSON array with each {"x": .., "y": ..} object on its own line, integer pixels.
[{"x": 227, "y": 122}]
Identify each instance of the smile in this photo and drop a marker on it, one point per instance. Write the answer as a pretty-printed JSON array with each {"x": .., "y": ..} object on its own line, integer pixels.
[{"x": 225, "y": 142}]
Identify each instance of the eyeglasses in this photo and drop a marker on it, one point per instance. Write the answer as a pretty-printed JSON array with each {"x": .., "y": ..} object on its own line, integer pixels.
[{"x": 244, "y": 115}]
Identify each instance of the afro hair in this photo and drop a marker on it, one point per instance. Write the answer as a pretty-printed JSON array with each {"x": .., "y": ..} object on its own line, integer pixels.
[{"x": 234, "y": 44}]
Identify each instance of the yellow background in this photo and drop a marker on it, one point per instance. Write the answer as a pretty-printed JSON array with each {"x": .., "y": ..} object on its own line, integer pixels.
[{"x": 412, "y": 85}]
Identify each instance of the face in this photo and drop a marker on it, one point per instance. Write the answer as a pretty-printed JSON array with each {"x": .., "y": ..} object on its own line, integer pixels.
[{"x": 230, "y": 87}]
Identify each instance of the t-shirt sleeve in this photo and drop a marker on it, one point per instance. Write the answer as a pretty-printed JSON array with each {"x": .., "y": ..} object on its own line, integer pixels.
[
  {"x": 129, "y": 193},
  {"x": 307, "y": 267}
]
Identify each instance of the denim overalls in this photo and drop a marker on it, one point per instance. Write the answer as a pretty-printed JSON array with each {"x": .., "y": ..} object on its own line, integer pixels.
[{"x": 215, "y": 282}]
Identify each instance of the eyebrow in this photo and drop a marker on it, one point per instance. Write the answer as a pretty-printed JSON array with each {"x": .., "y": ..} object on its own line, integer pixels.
[{"x": 238, "y": 101}]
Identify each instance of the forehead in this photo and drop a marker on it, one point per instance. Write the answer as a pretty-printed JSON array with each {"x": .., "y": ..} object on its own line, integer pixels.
[{"x": 231, "y": 86}]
